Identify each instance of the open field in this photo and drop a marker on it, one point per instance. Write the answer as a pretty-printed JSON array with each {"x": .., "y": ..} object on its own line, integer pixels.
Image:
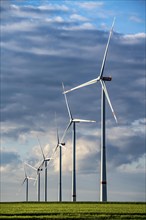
[{"x": 68, "y": 210}]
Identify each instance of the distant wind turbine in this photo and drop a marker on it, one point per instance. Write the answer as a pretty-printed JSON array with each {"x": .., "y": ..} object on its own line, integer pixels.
[
  {"x": 59, "y": 145},
  {"x": 44, "y": 162},
  {"x": 104, "y": 93},
  {"x": 38, "y": 170},
  {"x": 26, "y": 179},
  {"x": 73, "y": 122}
]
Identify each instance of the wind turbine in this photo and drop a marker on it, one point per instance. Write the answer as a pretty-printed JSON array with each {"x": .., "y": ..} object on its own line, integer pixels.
[
  {"x": 26, "y": 179},
  {"x": 59, "y": 145},
  {"x": 38, "y": 170},
  {"x": 73, "y": 122},
  {"x": 104, "y": 93},
  {"x": 44, "y": 162}
]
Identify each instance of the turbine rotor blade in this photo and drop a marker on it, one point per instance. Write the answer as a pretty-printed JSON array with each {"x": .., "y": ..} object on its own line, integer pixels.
[
  {"x": 66, "y": 131},
  {"x": 83, "y": 85},
  {"x": 56, "y": 148},
  {"x": 25, "y": 171},
  {"x": 57, "y": 136},
  {"x": 106, "y": 50},
  {"x": 31, "y": 178},
  {"x": 108, "y": 99},
  {"x": 56, "y": 128},
  {"x": 24, "y": 180},
  {"x": 30, "y": 166},
  {"x": 41, "y": 148},
  {"x": 36, "y": 179},
  {"x": 82, "y": 120},
  {"x": 41, "y": 165},
  {"x": 68, "y": 108}
]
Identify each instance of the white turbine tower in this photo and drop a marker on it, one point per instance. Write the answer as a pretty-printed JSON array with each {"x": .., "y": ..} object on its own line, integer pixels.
[
  {"x": 26, "y": 179},
  {"x": 104, "y": 93},
  {"x": 59, "y": 145},
  {"x": 44, "y": 162},
  {"x": 73, "y": 122}
]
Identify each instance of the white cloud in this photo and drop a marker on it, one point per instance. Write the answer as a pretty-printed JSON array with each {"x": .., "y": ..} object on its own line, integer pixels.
[
  {"x": 38, "y": 50},
  {"x": 139, "y": 125},
  {"x": 91, "y": 5},
  {"x": 104, "y": 26},
  {"x": 87, "y": 26},
  {"x": 7, "y": 127},
  {"x": 133, "y": 38},
  {"x": 58, "y": 19},
  {"x": 124, "y": 133},
  {"x": 77, "y": 17},
  {"x": 20, "y": 26},
  {"x": 135, "y": 19},
  {"x": 4, "y": 169},
  {"x": 84, "y": 26},
  {"x": 54, "y": 7},
  {"x": 137, "y": 166},
  {"x": 15, "y": 7},
  {"x": 10, "y": 160}
]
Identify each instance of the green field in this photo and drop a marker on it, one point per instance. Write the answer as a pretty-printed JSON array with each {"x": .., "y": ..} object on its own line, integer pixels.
[{"x": 68, "y": 210}]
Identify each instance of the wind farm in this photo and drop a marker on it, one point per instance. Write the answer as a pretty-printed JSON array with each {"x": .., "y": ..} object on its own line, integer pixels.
[
  {"x": 72, "y": 122},
  {"x": 42, "y": 166},
  {"x": 84, "y": 62}
]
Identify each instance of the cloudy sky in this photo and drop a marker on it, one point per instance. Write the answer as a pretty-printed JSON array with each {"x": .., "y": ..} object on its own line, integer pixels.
[{"x": 45, "y": 43}]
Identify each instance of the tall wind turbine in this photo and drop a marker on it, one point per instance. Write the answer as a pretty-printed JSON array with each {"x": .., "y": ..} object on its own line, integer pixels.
[
  {"x": 59, "y": 145},
  {"x": 104, "y": 93},
  {"x": 26, "y": 179},
  {"x": 44, "y": 162},
  {"x": 38, "y": 170},
  {"x": 73, "y": 122}
]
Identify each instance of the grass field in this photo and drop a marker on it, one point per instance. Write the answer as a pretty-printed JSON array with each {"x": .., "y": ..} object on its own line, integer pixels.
[{"x": 68, "y": 210}]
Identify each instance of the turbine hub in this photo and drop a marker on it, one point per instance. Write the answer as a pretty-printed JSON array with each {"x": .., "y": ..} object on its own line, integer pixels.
[{"x": 106, "y": 78}]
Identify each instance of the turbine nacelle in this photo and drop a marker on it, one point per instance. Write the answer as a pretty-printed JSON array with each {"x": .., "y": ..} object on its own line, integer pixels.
[
  {"x": 106, "y": 78},
  {"x": 61, "y": 144},
  {"x": 48, "y": 159}
]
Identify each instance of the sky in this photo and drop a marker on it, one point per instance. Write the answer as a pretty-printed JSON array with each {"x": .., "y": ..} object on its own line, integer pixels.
[{"x": 45, "y": 43}]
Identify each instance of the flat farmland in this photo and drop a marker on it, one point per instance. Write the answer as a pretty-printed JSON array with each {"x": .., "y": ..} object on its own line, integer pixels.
[{"x": 68, "y": 210}]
